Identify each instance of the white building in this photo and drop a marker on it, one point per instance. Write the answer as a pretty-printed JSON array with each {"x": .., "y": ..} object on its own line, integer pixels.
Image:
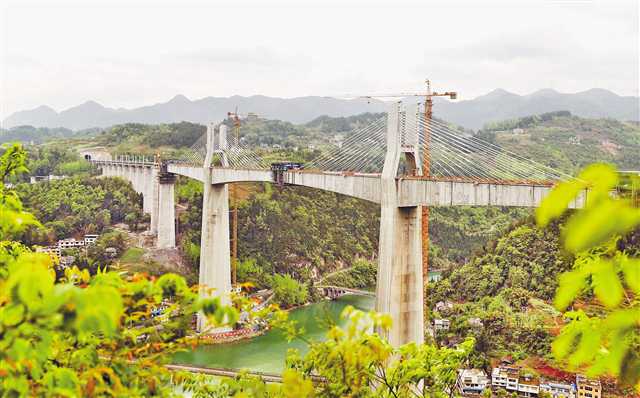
[
  {"x": 528, "y": 386},
  {"x": 505, "y": 377},
  {"x": 50, "y": 250},
  {"x": 475, "y": 322},
  {"x": 55, "y": 252},
  {"x": 90, "y": 239},
  {"x": 441, "y": 324},
  {"x": 36, "y": 179},
  {"x": 472, "y": 381},
  {"x": 70, "y": 243},
  {"x": 557, "y": 389}
]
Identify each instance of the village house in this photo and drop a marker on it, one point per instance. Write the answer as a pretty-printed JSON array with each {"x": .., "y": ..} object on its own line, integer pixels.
[
  {"x": 55, "y": 251},
  {"x": 588, "y": 388},
  {"x": 441, "y": 324},
  {"x": 472, "y": 381},
  {"x": 512, "y": 379},
  {"x": 505, "y": 377},
  {"x": 47, "y": 178},
  {"x": 558, "y": 389},
  {"x": 528, "y": 385}
]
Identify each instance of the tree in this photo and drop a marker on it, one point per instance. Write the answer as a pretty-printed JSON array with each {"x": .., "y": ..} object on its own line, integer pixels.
[
  {"x": 287, "y": 291},
  {"x": 81, "y": 335},
  {"x": 608, "y": 343}
]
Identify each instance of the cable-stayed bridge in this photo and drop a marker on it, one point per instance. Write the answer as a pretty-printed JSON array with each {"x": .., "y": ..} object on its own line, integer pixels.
[{"x": 402, "y": 161}]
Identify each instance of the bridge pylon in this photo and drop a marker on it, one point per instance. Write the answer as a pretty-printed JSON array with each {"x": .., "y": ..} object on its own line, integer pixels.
[
  {"x": 399, "y": 291},
  {"x": 215, "y": 262}
]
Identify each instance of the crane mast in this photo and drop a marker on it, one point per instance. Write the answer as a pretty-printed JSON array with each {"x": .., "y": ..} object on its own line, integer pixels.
[
  {"x": 234, "y": 207},
  {"x": 426, "y": 173}
]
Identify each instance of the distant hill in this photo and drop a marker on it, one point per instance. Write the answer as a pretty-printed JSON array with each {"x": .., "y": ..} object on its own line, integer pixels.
[
  {"x": 494, "y": 106},
  {"x": 180, "y": 108},
  {"x": 500, "y": 105},
  {"x": 566, "y": 142},
  {"x": 38, "y": 135}
]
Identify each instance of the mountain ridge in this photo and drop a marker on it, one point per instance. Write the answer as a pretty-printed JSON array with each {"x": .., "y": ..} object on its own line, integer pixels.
[{"x": 498, "y": 104}]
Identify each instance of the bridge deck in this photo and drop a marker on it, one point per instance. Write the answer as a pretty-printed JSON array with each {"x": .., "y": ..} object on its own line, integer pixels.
[{"x": 412, "y": 191}]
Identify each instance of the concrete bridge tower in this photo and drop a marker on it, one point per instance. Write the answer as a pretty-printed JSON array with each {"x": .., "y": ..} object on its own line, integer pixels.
[
  {"x": 215, "y": 252},
  {"x": 400, "y": 290}
]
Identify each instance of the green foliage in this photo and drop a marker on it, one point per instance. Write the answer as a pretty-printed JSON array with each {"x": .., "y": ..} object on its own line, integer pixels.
[
  {"x": 362, "y": 275},
  {"x": 55, "y": 159},
  {"x": 287, "y": 291},
  {"x": 38, "y": 135},
  {"x": 328, "y": 124},
  {"x": 525, "y": 122},
  {"x": 526, "y": 257},
  {"x": 177, "y": 135},
  {"x": 75, "y": 206},
  {"x": 250, "y": 272},
  {"x": 456, "y": 233},
  {"x": 609, "y": 343},
  {"x": 354, "y": 362},
  {"x": 132, "y": 255},
  {"x": 77, "y": 335},
  {"x": 13, "y": 219},
  {"x": 74, "y": 167},
  {"x": 290, "y": 227},
  {"x": 570, "y": 143}
]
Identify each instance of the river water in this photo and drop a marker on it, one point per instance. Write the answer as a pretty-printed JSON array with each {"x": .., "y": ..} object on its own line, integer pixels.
[{"x": 267, "y": 353}]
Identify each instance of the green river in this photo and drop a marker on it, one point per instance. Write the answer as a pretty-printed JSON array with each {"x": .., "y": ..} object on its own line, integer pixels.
[{"x": 267, "y": 353}]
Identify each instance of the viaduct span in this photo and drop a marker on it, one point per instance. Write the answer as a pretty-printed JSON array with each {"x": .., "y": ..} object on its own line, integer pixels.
[{"x": 460, "y": 178}]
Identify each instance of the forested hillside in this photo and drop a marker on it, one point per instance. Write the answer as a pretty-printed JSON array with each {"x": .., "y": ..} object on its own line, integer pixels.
[
  {"x": 38, "y": 135},
  {"x": 568, "y": 142},
  {"x": 526, "y": 257},
  {"x": 276, "y": 217},
  {"x": 75, "y": 206},
  {"x": 255, "y": 132}
]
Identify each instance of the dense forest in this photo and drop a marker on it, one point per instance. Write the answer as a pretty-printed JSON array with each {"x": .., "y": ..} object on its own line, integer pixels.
[
  {"x": 55, "y": 159},
  {"x": 526, "y": 257},
  {"x": 76, "y": 206}
]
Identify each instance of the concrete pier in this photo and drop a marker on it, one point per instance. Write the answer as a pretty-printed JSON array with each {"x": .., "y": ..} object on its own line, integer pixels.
[{"x": 166, "y": 212}]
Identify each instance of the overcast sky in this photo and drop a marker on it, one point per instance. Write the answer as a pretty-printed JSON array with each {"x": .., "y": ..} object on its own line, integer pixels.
[{"x": 133, "y": 53}]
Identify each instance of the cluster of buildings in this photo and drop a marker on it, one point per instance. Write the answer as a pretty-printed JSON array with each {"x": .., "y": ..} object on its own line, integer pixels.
[
  {"x": 472, "y": 382},
  {"x": 443, "y": 324},
  {"x": 56, "y": 250}
]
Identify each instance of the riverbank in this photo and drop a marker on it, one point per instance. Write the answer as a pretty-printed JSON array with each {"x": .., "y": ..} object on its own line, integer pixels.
[{"x": 267, "y": 352}]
